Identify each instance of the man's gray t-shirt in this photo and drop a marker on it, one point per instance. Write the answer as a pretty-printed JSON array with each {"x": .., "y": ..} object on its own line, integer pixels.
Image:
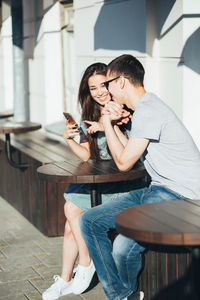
[{"x": 172, "y": 159}]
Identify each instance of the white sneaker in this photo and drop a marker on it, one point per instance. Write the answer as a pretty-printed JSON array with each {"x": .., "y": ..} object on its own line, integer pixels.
[
  {"x": 59, "y": 288},
  {"x": 83, "y": 278},
  {"x": 139, "y": 296},
  {"x": 136, "y": 296}
]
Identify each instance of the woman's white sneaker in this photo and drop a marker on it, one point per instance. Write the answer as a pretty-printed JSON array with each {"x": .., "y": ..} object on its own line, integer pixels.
[
  {"x": 83, "y": 278},
  {"x": 59, "y": 288}
]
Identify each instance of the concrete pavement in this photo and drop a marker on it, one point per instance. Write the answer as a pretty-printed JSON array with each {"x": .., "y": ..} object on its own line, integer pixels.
[{"x": 28, "y": 260}]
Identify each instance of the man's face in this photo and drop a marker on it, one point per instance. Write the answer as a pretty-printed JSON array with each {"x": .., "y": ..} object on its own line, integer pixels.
[{"x": 113, "y": 86}]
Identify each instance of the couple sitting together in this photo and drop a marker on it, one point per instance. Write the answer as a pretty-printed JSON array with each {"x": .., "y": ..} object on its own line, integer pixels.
[{"x": 171, "y": 158}]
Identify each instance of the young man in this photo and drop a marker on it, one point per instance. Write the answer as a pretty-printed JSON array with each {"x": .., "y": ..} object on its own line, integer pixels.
[{"x": 171, "y": 159}]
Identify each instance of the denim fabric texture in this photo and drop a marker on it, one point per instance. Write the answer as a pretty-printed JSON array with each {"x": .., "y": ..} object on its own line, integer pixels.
[{"x": 118, "y": 265}]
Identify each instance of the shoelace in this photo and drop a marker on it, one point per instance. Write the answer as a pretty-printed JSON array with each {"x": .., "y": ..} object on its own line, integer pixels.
[{"x": 56, "y": 278}]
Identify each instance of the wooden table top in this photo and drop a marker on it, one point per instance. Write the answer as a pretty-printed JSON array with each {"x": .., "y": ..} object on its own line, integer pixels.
[
  {"x": 18, "y": 127},
  {"x": 168, "y": 223},
  {"x": 6, "y": 114},
  {"x": 76, "y": 171}
]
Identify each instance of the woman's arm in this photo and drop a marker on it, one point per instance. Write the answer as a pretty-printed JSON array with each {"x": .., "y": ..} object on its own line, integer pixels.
[{"x": 81, "y": 150}]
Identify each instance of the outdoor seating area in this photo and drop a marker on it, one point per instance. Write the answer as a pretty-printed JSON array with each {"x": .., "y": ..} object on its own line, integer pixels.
[
  {"x": 41, "y": 202},
  {"x": 99, "y": 150}
]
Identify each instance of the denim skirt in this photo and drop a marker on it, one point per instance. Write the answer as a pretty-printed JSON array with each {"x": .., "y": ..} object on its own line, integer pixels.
[{"x": 79, "y": 193}]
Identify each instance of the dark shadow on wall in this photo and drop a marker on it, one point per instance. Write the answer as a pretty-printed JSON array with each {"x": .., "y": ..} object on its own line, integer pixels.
[
  {"x": 120, "y": 26},
  {"x": 163, "y": 9},
  {"x": 191, "y": 52}
]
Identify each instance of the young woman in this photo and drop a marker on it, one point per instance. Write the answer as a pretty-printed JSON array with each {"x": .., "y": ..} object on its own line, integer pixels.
[{"x": 92, "y": 97}]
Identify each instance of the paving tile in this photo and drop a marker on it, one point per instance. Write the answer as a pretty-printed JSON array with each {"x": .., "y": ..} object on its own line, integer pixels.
[
  {"x": 33, "y": 296},
  {"x": 12, "y": 263},
  {"x": 15, "y": 288},
  {"x": 16, "y": 297},
  {"x": 47, "y": 272},
  {"x": 96, "y": 293},
  {"x": 21, "y": 249},
  {"x": 2, "y": 243},
  {"x": 8, "y": 237},
  {"x": 51, "y": 259},
  {"x": 18, "y": 275},
  {"x": 39, "y": 284},
  {"x": 2, "y": 255}
]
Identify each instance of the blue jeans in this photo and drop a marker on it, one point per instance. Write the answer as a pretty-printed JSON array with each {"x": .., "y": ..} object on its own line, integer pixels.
[{"x": 118, "y": 266}]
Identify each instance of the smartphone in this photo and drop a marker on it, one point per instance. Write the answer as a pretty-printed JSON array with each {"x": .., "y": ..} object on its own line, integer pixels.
[
  {"x": 69, "y": 117},
  {"x": 71, "y": 120}
]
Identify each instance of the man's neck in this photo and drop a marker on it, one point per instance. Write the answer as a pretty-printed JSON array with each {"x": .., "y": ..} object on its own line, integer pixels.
[{"x": 134, "y": 96}]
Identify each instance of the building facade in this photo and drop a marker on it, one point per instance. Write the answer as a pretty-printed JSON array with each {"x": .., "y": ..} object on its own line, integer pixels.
[{"x": 61, "y": 38}]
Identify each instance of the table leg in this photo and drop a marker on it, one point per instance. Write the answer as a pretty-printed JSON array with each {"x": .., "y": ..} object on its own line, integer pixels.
[
  {"x": 94, "y": 195},
  {"x": 9, "y": 155}
]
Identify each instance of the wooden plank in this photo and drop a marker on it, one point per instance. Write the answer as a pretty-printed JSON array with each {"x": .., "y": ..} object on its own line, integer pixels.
[
  {"x": 45, "y": 142},
  {"x": 51, "y": 172},
  {"x": 172, "y": 215},
  {"x": 44, "y": 151},
  {"x": 136, "y": 225}
]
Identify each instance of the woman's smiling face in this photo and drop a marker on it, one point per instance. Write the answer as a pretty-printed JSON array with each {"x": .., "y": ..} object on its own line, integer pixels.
[{"x": 97, "y": 89}]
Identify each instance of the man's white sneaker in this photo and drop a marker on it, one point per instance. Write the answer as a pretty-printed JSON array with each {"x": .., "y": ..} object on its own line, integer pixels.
[
  {"x": 59, "y": 288},
  {"x": 139, "y": 295},
  {"x": 83, "y": 278},
  {"x": 136, "y": 296}
]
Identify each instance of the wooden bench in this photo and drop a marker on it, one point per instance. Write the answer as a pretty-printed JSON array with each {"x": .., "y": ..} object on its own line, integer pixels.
[
  {"x": 39, "y": 201},
  {"x": 171, "y": 230}
]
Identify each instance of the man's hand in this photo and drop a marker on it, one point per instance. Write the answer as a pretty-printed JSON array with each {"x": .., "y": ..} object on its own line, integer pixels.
[
  {"x": 116, "y": 112},
  {"x": 94, "y": 127}
]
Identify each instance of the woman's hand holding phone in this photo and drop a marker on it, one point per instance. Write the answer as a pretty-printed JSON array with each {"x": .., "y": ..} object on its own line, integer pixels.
[{"x": 71, "y": 130}]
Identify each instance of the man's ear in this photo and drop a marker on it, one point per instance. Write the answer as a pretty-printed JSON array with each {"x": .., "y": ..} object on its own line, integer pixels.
[{"x": 122, "y": 82}]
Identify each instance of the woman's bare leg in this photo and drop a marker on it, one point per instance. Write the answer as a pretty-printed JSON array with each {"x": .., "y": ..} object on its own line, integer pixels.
[
  {"x": 70, "y": 253},
  {"x": 72, "y": 213}
]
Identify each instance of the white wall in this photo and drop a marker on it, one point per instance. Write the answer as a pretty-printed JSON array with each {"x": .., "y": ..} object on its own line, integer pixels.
[
  {"x": 6, "y": 65},
  {"x": 43, "y": 50},
  {"x": 191, "y": 67},
  {"x": 163, "y": 35}
]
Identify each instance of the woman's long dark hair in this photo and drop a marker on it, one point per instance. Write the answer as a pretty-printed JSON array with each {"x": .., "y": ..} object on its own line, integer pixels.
[{"x": 90, "y": 108}]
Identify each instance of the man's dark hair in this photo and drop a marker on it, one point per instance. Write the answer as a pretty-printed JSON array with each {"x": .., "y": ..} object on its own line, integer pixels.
[{"x": 129, "y": 67}]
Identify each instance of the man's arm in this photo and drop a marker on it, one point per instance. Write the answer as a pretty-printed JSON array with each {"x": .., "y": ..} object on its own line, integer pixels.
[{"x": 124, "y": 156}]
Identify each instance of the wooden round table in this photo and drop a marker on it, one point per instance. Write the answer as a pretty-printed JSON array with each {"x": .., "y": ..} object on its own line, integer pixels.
[
  {"x": 175, "y": 223},
  {"x": 167, "y": 223},
  {"x": 93, "y": 172},
  {"x": 6, "y": 114},
  {"x": 16, "y": 127}
]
